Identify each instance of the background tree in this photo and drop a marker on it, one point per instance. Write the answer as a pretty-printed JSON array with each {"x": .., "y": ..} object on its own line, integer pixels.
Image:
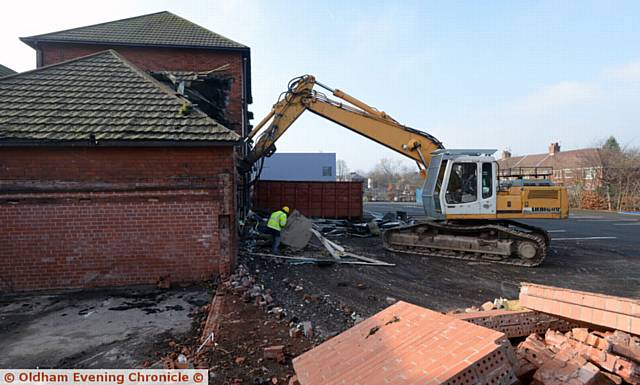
[
  {"x": 392, "y": 179},
  {"x": 342, "y": 170},
  {"x": 611, "y": 144},
  {"x": 620, "y": 176}
]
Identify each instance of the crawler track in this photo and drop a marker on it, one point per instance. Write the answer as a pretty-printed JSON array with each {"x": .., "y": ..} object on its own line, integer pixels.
[{"x": 505, "y": 242}]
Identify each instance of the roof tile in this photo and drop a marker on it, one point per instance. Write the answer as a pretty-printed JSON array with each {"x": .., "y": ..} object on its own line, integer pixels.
[
  {"x": 581, "y": 158},
  {"x": 100, "y": 97},
  {"x": 6, "y": 71},
  {"x": 156, "y": 29}
]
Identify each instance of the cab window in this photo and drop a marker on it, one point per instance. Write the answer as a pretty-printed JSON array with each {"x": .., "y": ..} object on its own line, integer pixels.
[
  {"x": 463, "y": 183},
  {"x": 487, "y": 180},
  {"x": 438, "y": 187}
]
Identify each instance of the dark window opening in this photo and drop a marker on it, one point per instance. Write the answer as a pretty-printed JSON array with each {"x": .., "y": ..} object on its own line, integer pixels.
[
  {"x": 438, "y": 187},
  {"x": 326, "y": 171},
  {"x": 463, "y": 183},
  {"x": 487, "y": 180}
]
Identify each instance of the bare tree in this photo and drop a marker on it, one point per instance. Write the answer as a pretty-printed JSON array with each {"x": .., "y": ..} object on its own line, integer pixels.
[
  {"x": 391, "y": 179},
  {"x": 618, "y": 186},
  {"x": 621, "y": 178},
  {"x": 342, "y": 170}
]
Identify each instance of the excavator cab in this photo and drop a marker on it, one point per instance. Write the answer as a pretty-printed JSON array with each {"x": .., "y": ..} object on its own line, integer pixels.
[{"x": 460, "y": 182}]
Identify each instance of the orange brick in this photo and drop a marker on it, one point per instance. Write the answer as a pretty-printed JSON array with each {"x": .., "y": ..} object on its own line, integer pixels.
[
  {"x": 598, "y": 309},
  {"x": 422, "y": 347}
]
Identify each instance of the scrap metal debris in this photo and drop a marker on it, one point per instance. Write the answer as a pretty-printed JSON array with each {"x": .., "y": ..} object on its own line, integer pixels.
[{"x": 298, "y": 235}]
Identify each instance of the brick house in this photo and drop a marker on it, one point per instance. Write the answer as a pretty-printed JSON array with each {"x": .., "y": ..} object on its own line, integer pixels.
[
  {"x": 158, "y": 42},
  {"x": 108, "y": 177},
  {"x": 582, "y": 167}
]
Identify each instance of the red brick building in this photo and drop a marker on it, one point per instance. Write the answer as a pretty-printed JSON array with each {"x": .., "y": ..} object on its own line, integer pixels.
[
  {"x": 582, "y": 167},
  {"x": 109, "y": 177},
  {"x": 158, "y": 42}
]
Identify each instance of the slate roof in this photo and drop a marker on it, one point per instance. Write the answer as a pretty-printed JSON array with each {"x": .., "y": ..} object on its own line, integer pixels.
[
  {"x": 5, "y": 71},
  {"x": 99, "y": 99},
  {"x": 162, "y": 29},
  {"x": 572, "y": 159}
]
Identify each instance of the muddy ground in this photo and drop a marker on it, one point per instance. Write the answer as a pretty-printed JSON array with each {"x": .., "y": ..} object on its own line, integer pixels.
[
  {"x": 336, "y": 295},
  {"x": 245, "y": 331},
  {"x": 114, "y": 328}
]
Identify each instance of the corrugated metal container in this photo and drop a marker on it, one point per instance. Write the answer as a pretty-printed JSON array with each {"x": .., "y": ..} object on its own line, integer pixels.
[{"x": 313, "y": 199}]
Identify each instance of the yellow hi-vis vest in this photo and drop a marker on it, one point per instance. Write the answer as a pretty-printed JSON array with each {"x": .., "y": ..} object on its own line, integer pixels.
[{"x": 277, "y": 220}]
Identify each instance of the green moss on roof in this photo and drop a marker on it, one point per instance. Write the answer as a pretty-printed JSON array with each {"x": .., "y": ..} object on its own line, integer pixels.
[{"x": 100, "y": 97}]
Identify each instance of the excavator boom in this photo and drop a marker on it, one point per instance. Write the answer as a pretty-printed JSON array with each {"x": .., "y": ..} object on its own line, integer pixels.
[{"x": 348, "y": 112}]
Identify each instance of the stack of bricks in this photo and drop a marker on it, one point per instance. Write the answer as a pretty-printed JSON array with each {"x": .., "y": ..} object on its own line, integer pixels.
[
  {"x": 592, "y": 308},
  {"x": 580, "y": 357},
  {"x": 408, "y": 344}
]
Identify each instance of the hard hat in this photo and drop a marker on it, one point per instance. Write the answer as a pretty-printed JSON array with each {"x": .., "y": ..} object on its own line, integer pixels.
[{"x": 285, "y": 209}]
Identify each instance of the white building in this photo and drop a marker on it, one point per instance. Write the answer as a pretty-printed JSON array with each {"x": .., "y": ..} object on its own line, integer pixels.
[{"x": 295, "y": 166}]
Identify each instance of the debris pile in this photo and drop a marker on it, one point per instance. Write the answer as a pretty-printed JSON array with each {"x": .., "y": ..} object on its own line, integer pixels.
[
  {"x": 408, "y": 344},
  {"x": 580, "y": 356},
  {"x": 244, "y": 285},
  {"x": 242, "y": 336},
  {"x": 535, "y": 341},
  {"x": 371, "y": 225},
  {"x": 299, "y": 235}
]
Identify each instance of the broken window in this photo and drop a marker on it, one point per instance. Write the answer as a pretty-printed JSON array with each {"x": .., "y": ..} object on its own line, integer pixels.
[
  {"x": 326, "y": 171},
  {"x": 463, "y": 183}
]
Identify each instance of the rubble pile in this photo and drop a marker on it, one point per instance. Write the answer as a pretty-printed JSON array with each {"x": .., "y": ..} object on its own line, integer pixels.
[
  {"x": 245, "y": 286},
  {"x": 579, "y": 356},
  {"x": 242, "y": 337},
  {"x": 537, "y": 342}
]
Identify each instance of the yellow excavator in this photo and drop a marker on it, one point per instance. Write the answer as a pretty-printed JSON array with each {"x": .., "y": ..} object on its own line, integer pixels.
[{"x": 471, "y": 210}]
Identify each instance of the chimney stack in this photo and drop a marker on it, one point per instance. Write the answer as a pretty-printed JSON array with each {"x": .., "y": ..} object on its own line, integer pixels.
[
  {"x": 506, "y": 154},
  {"x": 554, "y": 148}
]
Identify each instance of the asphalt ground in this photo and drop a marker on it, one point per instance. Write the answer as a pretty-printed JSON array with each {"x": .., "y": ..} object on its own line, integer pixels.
[
  {"x": 620, "y": 233},
  {"x": 591, "y": 251}
]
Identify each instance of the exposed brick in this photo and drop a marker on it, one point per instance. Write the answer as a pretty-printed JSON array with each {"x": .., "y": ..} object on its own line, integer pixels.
[
  {"x": 519, "y": 323},
  {"x": 77, "y": 218},
  {"x": 212, "y": 324},
  {"x": 275, "y": 353},
  {"x": 620, "y": 366},
  {"x": 406, "y": 344},
  {"x": 597, "y": 309},
  {"x": 534, "y": 350},
  {"x": 624, "y": 344}
]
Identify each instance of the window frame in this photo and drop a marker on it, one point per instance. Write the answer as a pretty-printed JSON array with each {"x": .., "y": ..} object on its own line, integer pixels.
[{"x": 449, "y": 194}]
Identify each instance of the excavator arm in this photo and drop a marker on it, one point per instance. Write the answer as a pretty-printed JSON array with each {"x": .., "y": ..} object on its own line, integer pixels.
[{"x": 348, "y": 112}]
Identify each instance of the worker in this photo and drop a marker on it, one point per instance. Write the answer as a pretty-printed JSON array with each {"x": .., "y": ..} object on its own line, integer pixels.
[{"x": 277, "y": 221}]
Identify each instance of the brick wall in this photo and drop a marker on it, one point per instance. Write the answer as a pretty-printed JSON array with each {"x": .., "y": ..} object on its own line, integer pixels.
[
  {"x": 161, "y": 59},
  {"x": 90, "y": 217}
]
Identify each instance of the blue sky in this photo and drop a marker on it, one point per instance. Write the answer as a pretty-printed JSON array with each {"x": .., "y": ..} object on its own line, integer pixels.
[{"x": 514, "y": 75}]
